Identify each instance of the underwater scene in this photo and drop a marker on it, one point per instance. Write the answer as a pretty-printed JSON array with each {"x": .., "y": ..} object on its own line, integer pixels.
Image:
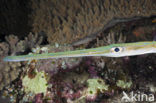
[{"x": 78, "y": 51}]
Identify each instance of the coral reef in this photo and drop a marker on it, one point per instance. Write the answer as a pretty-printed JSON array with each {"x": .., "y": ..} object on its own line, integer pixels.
[
  {"x": 9, "y": 71},
  {"x": 66, "y": 21},
  {"x": 13, "y": 46},
  {"x": 77, "y": 80}
]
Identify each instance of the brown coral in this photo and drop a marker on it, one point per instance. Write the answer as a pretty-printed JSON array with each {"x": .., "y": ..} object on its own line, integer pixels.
[
  {"x": 12, "y": 46},
  {"x": 66, "y": 21},
  {"x": 9, "y": 71},
  {"x": 111, "y": 38}
]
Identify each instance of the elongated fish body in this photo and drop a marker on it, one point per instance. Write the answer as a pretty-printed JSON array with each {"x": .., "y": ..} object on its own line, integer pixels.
[{"x": 113, "y": 50}]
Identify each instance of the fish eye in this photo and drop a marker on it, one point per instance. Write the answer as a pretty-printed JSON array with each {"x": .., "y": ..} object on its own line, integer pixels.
[{"x": 116, "y": 49}]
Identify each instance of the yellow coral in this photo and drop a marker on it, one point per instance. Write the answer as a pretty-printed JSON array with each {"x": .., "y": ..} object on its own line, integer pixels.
[
  {"x": 95, "y": 85},
  {"x": 124, "y": 84},
  {"x": 36, "y": 85}
]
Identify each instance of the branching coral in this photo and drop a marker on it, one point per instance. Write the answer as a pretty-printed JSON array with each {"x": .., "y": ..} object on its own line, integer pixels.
[
  {"x": 16, "y": 45},
  {"x": 66, "y": 21},
  {"x": 33, "y": 40},
  {"x": 9, "y": 71},
  {"x": 111, "y": 38},
  {"x": 13, "y": 46}
]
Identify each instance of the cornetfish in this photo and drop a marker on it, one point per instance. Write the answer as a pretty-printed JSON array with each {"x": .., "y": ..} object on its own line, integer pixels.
[{"x": 113, "y": 50}]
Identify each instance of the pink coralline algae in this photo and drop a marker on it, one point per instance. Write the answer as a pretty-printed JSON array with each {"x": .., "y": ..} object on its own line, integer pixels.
[
  {"x": 94, "y": 65},
  {"x": 39, "y": 98}
]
